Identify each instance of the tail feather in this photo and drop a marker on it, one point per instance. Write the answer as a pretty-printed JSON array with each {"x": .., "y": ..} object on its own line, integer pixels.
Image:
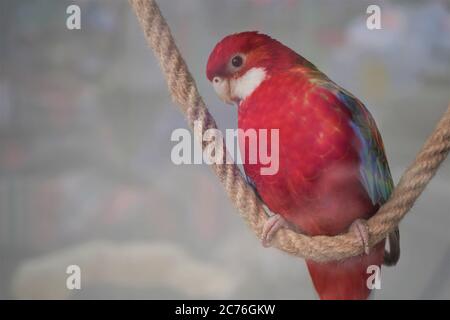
[
  {"x": 392, "y": 256},
  {"x": 339, "y": 280}
]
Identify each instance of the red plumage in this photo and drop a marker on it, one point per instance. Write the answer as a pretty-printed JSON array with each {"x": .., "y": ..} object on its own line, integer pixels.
[{"x": 319, "y": 186}]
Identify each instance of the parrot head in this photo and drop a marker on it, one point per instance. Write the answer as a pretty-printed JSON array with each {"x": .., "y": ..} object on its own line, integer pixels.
[{"x": 240, "y": 62}]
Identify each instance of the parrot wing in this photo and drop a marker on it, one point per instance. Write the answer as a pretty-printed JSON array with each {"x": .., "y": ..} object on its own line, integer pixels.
[
  {"x": 375, "y": 173},
  {"x": 374, "y": 169}
]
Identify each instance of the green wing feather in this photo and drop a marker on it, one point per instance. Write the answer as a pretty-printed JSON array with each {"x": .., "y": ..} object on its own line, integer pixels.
[
  {"x": 374, "y": 169},
  {"x": 375, "y": 172}
]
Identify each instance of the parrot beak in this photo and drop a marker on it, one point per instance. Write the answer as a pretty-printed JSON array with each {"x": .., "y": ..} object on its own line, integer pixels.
[{"x": 223, "y": 89}]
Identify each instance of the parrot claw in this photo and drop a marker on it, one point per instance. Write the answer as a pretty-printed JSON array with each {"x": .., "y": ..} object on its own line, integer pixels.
[
  {"x": 359, "y": 227},
  {"x": 271, "y": 226}
]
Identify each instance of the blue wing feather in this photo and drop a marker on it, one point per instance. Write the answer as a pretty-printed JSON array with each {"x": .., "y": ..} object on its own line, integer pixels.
[{"x": 375, "y": 173}]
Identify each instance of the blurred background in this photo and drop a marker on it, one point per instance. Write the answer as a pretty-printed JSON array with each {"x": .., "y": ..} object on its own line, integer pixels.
[{"x": 85, "y": 171}]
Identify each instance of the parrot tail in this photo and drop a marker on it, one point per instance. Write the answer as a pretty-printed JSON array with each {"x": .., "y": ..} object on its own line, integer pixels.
[
  {"x": 347, "y": 279},
  {"x": 392, "y": 256}
]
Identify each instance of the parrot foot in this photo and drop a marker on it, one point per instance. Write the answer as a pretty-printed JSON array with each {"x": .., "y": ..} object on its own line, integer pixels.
[
  {"x": 359, "y": 227},
  {"x": 272, "y": 225}
]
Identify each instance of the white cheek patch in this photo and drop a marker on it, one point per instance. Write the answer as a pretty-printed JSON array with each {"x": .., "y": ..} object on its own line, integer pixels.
[{"x": 245, "y": 85}]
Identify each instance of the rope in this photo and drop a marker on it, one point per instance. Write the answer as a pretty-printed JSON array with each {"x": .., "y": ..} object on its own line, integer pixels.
[{"x": 184, "y": 92}]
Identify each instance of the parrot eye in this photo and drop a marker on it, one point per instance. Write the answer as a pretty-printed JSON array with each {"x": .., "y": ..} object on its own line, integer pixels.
[{"x": 237, "y": 61}]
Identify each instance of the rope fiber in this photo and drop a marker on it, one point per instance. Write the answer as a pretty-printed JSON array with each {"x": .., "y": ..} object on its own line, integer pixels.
[{"x": 184, "y": 92}]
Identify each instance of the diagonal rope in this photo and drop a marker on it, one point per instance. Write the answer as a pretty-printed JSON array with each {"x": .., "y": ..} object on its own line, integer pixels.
[{"x": 184, "y": 92}]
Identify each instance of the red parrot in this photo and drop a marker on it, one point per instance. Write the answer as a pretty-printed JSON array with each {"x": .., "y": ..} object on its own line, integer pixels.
[{"x": 333, "y": 173}]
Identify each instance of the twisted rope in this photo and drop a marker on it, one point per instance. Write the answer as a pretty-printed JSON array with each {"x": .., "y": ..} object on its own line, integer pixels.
[{"x": 318, "y": 248}]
